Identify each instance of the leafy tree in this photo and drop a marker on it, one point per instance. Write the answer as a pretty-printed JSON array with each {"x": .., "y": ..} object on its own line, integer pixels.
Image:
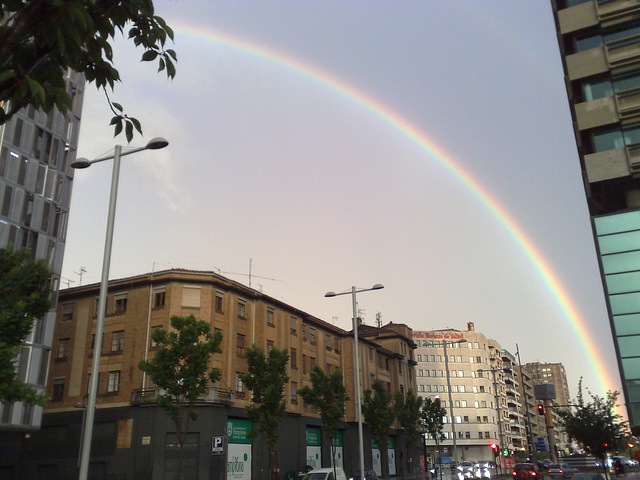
[
  {"x": 266, "y": 378},
  {"x": 40, "y": 40},
  {"x": 433, "y": 414},
  {"x": 181, "y": 368},
  {"x": 408, "y": 410},
  {"x": 24, "y": 298},
  {"x": 594, "y": 424},
  {"x": 329, "y": 396},
  {"x": 379, "y": 416}
]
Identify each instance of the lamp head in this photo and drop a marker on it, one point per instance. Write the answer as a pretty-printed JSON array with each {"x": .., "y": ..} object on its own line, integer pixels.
[
  {"x": 156, "y": 143},
  {"x": 330, "y": 294},
  {"x": 377, "y": 286},
  {"x": 80, "y": 163}
]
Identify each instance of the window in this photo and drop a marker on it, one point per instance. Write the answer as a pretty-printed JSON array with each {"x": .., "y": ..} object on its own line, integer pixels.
[
  {"x": 312, "y": 362},
  {"x": 305, "y": 366},
  {"x": 465, "y": 419},
  {"x": 454, "y": 388},
  {"x": 327, "y": 342},
  {"x": 240, "y": 345},
  {"x": 58, "y": 391},
  {"x": 327, "y": 369},
  {"x": 293, "y": 328},
  {"x": 475, "y": 389},
  {"x": 239, "y": 383},
  {"x": 482, "y": 389},
  {"x": 478, "y": 359},
  {"x": 459, "y": 357},
  {"x": 242, "y": 309},
  {"x": 121, "y": 304},
  {"x": 432, "y": 358},
  {"x": 485, "y": 419},
  {"x": 427, "y": 388},
  {"x": 462, "y": 388},
  {"x": 419, "y": 373},
  {"x": 63, "y": 348},
  {"x": 218, "y": 301},
  {"x": 270, "y": 317},
  {"x": 419, "y": 358},
  {"x": 486, "y": 435},
  {"x": 478, "y": 419},
  {"x": 336, "y": 345},
  {"x": 269, "y": 346},
  {"x": 294, "y": 392},
  {"x": 113, "y": 385},
  {"x": 463, "y": 403},
  {"x": 294, "y": 358},
  {"x": 476, "y": 404},
  {"x": 312, "y": 335},
  {"x": 460, "y": 373},
  {"x": 479, "y": 434},
  {"x": 453, "y": 373},
  {"x": 483, "y": 404},
  {"x": 467, "y": 435},
  {"x": 158, "y": 299},
  {"x": 191, "y": 297},
  {"x": 458, "y": 420},
  {"x": 117, "y": 341},
  {"x": 153, "y": 342},
  {"x": 67, "y": 312}
]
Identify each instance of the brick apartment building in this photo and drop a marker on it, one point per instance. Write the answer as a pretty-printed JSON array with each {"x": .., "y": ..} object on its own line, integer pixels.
[{"x": 133, "y": 438}]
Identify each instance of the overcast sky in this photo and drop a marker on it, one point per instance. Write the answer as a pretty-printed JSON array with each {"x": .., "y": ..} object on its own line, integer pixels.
[{"x": 271, "y": 165}]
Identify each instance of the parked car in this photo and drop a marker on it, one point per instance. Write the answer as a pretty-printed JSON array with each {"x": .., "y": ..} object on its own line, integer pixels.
[
  {"x": 368, "y": 475},
  {"x": 325, "y": 474},
  {"x": 562, "y": 470},
  {"x": 525, "y": 471}
]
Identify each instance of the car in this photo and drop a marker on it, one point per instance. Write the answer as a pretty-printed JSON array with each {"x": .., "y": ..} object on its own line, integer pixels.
[
  {"x": 484, "y": 469},
  {"x": 465, "y": 470},
  {"x": 525, "y": 471},
  {"x": 325, "y": 474},
  {"x": 368, "y": 475},
  {"x": 587, "y": 476},
  {"x": 562, "y": 470}
]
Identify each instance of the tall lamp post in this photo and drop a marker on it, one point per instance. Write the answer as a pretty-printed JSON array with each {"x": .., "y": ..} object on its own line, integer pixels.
[
  {"x": 356, "y": 359},
  {"x": 153, "y": 144},
  {"x": 495, "y": 392},
  {"x": 443, "y": 344}
]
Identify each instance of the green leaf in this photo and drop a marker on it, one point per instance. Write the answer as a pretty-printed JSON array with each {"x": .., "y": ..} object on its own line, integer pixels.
[
  {"x": 129, "y": 131},
  {"x": 149, "y": 55},
  {"x": 118, "y": 128},
  {"x": 117, "y": 106}
]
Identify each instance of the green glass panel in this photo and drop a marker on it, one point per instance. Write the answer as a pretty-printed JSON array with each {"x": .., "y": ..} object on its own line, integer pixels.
[
  {"x": 631, "y": 367},
  {"x": 629, "y": 346},
  {"x": 633, "y": 389},
  {"x": 619, "y": 242},
  {"x": 314, "y": 437},
  {"x": 238, "y": 430},
  {"x": 625, "y": 303},
  {"x": 621, "y": 222},
  {"x": 621, "y": 262},
  {"x": 623, "y": 282},
  {"x": 627, "y": 324},
  {"x": 635, "y": 413}
]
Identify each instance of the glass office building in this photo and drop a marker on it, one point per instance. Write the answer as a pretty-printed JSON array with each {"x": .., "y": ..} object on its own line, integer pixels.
[
  {"x": 36, "y": 151},
  {"x": 599, "y": 43}
]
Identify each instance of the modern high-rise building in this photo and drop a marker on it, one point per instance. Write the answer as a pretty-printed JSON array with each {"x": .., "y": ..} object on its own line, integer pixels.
[
  {"x": 36, "y": 151},
  {"x": 600, "y": 48}
]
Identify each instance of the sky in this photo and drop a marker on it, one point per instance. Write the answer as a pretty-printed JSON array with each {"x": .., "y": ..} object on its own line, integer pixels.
[{"x": 423, "y": 145}]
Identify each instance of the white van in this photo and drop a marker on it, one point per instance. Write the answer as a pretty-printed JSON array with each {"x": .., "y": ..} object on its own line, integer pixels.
[{"x": 325, "y": 474}]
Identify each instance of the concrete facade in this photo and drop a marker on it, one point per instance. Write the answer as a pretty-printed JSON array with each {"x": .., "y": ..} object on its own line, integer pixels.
[{"x": 137, "y": 435}]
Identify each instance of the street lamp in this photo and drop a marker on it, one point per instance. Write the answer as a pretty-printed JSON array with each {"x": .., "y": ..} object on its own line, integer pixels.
[
  {"x": 90, "y": 409},
  {"x": 443, "y": 344},
  {"x": 495, "y": 392},
  {"x": 356, "y": 359}
]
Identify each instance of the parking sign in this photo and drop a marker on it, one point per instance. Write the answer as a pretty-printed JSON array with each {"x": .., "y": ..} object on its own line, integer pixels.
[{"x": 217, "y": 445}]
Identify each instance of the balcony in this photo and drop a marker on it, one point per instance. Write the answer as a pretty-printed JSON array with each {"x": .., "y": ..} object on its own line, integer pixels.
[{"x": 213, "y": 396}]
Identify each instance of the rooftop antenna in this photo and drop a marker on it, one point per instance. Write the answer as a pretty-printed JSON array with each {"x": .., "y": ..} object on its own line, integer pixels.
[
  {"x": 250, "y": 262},
  {"x": 82, "y": 270},
  {"x": 67, "y": 281},
  {"x": 379, "y": 320},
  {"x": 334, "y": 319}
]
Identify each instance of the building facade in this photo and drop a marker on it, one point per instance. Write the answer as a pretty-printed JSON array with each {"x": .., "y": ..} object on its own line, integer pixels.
[
  {"x": 600, "y": 49},
  {"x": 36, "y": 151},
  {"x": 135, "y": 437},
  {"x": 489, "y": 398}
]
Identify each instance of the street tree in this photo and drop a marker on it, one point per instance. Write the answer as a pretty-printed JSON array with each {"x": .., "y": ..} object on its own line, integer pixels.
[
  {"x": 24, "y": 299},
  {"x": 328, "y": 395},
  {"x": 433, "y": 414},
  {"x": 41, "y": 40},
  {"x": 594, "y": 424},
  {"x": 379, "y": 416},
  {"x": 180, "y": 368},
  {"x": 266, "y": 377},
  {"x": 408, "y": 410}
]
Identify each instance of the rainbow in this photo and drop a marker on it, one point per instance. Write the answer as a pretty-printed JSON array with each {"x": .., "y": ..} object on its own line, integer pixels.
[{"x": 409, "y": 131}]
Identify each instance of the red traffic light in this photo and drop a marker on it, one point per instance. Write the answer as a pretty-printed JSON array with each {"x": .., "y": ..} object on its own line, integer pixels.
[{"x": 540, "y": 409}]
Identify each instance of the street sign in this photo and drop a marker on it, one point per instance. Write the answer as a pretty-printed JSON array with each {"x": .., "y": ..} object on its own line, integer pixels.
[
  {"x": 541, "y": 444},
  {"x": 217, "y": 445}
]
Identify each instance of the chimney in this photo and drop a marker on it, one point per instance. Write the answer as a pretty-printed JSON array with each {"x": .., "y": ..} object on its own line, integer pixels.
[{"x": 470, "y": 327}]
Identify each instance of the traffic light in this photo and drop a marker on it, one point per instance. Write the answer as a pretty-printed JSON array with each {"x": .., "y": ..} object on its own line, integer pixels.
[
  {"x": 506, "y": 452},
  {"x": 495, "y": 449},
  {"x": 540, "y": 409}
]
